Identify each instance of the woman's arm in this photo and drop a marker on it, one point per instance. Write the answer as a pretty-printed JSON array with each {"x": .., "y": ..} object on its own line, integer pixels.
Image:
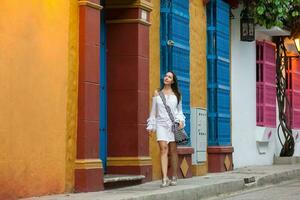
[
  {"x": 151, "y": 121},
  {"x": 180, "y": 118}
]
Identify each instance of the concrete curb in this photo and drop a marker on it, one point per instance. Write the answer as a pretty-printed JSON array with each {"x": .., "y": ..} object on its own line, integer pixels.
[
  {"x": 194, "y": 188},
  {"x": 278, "y": 177},
  {"x": 197, "y": 192},
  {"x": 200, "y": 192}
]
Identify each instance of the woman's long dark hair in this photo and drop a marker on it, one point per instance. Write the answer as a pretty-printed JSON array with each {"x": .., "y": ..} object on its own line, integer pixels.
[{"x": 174, "y": 87}]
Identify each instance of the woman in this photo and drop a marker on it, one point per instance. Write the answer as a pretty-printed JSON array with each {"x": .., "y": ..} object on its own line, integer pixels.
[{"x": 160, "y": 122}]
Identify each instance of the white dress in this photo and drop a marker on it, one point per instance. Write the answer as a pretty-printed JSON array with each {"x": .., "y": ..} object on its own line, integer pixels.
[{"x": 159, "y": 119}]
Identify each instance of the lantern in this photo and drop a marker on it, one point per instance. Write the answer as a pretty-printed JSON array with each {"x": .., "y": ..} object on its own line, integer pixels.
[
  {"x": 297, "y": 44},
  {"x": 247, "y": 26}
]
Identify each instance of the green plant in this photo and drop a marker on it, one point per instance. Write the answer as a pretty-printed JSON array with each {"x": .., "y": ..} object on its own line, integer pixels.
[{"x": 281, "y": 13}]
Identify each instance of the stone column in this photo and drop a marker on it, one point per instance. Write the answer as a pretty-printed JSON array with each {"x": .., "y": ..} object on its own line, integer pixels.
[
  {"x": 88, "y": 166},
  {"x": 128, "y": 87},
  {"x": 220, "y": 158}
]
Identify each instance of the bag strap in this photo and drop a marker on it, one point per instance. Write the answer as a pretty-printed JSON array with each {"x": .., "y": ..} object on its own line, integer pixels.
[{"x": 163, "y": 98}]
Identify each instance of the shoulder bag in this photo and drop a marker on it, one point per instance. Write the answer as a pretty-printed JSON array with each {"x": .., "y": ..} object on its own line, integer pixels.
[{"x": 181, "y": 137}]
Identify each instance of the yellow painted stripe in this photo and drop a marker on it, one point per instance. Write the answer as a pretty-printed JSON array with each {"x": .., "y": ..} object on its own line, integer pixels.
[
  {"x": 128, "y": 21},
  {"x": 199, "y": 169},
  {"x": 154, "y": 77},
  {"x": 90, "y": 4},
  {"x": 130, "y": 4},
  {"x": 88, "y": 164},
  {"x": 72, "y": 96},
  {"x": 129, "y": 161}
]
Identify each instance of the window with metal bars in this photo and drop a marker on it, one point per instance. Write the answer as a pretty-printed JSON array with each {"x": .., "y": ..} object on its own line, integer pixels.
[{"x": 265, "y": 84}]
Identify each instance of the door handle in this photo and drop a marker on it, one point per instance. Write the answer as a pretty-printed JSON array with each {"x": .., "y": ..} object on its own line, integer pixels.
[{"x": 170, "y": 43}]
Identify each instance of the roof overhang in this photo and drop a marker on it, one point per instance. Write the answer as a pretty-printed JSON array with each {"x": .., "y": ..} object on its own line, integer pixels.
[{"x": 274, "y": 31}]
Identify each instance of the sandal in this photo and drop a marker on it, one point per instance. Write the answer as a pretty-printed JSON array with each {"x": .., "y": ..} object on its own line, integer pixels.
[
  {"x": 165, "y": 182},
  {"x": 173, "y": 181}
]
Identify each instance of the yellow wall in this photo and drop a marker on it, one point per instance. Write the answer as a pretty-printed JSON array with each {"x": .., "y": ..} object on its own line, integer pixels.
[
  {"x": 197, "y": 68},
  {"x": 154, "y": 74},
  {"x": 34, "y": 64},
  {"x": 198, "y": 53},
  {"x": 198, "y": 64},
  {"x": 72, "y": 95}
]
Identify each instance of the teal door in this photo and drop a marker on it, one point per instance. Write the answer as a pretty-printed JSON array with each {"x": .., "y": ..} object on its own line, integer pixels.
[
  {"x": 218, "y": 73},
  {"x": 175, "y": 47},
  {"x": 103, "y": 92}
]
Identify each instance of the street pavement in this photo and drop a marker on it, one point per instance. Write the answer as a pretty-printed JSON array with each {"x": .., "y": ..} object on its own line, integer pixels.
[
  {"x": 288, "y": 191},
  {"x": 194, "y": 188}
]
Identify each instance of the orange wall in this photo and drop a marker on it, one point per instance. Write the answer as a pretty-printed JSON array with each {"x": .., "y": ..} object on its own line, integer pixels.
[{"x": 34, "y": 63}]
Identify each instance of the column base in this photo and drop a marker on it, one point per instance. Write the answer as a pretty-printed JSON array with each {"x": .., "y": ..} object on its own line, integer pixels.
[
  {"x": 88, "y": 175},
  {"x": 184, "y": 169},
  {"x": 88, "y": 180},
  {"x": 220, "y": 158}
]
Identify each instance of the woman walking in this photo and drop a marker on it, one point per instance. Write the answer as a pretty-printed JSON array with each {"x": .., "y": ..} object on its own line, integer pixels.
[{"x": 160, "y": 122}]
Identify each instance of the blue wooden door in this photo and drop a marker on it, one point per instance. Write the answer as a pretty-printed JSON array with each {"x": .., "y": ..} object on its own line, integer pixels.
[
  {"x": 218, "y": 72},
  {"x": 103, "y": 92},
  {"x": 175, "y": 47}
]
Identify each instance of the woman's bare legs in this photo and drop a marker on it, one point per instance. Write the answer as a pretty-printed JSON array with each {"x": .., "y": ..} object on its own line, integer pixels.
[
  {"x": 174, "y": 162},
  {"x": 174, "y": 157},
  {"x": 163, "y": 145}
]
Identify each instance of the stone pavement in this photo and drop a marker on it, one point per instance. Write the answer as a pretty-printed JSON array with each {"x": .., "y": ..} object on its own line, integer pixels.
[{"x": 193, "y": 188}]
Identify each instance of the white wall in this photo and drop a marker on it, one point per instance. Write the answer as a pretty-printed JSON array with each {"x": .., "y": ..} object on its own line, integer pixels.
[{"x": 245, "y": 133}]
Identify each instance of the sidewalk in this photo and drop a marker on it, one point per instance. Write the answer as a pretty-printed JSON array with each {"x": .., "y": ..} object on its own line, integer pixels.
[{"x": 193, "y": 188}]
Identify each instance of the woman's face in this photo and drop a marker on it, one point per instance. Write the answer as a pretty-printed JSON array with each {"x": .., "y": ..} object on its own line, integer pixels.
[{"x": 168, "y": 79}]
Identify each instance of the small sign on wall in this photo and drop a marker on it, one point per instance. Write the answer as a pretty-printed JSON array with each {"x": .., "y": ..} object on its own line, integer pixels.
[{"x": 144, "y": 15}]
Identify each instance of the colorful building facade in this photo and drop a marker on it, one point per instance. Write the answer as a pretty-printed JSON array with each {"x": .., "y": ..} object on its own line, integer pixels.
[
  {"x": 253, "y": 72},
  {"x": 86, "y": 72}
]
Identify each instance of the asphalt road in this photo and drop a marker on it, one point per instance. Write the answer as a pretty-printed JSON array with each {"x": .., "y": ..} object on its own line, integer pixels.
[{"x": 285, "y": 191}]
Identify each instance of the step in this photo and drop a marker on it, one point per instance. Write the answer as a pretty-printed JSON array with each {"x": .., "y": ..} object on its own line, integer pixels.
[
  {"x": 112, "y": 181},
  {"x": 286, "y": 160}
]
